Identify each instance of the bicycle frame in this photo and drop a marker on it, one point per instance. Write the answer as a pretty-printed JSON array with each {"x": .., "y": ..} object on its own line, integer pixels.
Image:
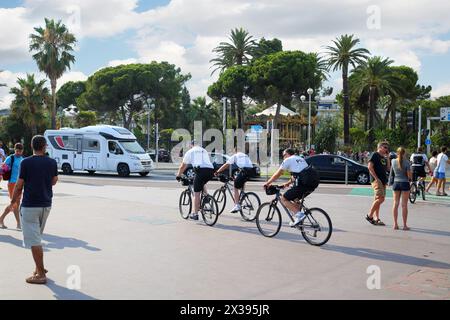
[{"x": 227, "y": 187}]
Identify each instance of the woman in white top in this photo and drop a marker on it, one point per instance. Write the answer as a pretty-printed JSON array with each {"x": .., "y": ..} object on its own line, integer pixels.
[
  {"x": 433, "y": 165},
  {"x": 439, "y": 172}
]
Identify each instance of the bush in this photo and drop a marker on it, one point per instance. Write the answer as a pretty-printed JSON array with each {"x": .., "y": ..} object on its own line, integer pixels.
[{"x": 327, "y": 135}]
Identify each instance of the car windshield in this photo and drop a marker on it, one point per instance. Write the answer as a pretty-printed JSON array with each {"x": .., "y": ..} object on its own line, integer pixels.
[
  {"x": 132, "y": 147},
  {"x": 352, "y": 161}
]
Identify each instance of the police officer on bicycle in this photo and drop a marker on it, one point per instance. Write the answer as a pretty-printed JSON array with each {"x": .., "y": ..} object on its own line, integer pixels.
[
  {"x": 204, "y": 172},
  {"x": 295, "y": 165},
  {"x": 243, "y": 162},
  {"x": 418, "y": 162}
]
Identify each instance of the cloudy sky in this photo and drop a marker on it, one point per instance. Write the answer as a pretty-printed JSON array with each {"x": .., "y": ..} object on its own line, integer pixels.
[{"x": 184, "y": 32}]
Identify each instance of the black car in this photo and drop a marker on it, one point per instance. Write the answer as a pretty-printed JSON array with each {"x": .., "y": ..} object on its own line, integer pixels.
[
  {"x": 332, "y": 167},
  {"x": 163, "y": 155},
  {"x": 218, "y": 159}
]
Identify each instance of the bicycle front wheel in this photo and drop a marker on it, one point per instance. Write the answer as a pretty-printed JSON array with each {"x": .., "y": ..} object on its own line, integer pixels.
[
  {"x": 250, "y": 203},
  {"x": 413, "y": 193},
  {"x": 185, "y": 204},
  {"x": 210, "y": 212},
  {"x": 316, "y": 228},
  {"x": 268, "y": 220},
  {"x": 221, "y": 198}
]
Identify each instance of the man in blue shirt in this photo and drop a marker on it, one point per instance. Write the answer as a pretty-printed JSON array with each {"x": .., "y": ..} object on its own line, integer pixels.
[
  {"x": 38, "y": 175},
  {"x": 13, "y": 162}
]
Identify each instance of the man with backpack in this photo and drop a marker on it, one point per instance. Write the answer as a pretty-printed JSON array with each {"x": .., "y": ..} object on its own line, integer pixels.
[
  {"x": 418, "y": 162},
  {"x": 304, "y": 179}
]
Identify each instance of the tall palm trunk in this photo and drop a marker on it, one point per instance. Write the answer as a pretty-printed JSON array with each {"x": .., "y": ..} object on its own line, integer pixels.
[
  {"x": 53, "y": 108},
  {"x": 277, "y": 116},
  {"x": 233, "y": 113},
  {"x": 371, "y": 137},
  {"x": 393, "y": 116},
  {"x": 240, "y": 113},
  {"x": 346, "y": 105}
]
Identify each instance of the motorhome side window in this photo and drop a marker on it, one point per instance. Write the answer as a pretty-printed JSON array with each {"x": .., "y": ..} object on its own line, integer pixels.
[
  {"x": 114, "y": 148},
  {"x": 91, "y": 145}
]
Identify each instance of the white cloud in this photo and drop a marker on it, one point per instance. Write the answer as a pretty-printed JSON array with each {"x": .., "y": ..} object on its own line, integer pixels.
[{"x": 441, "y": 90}]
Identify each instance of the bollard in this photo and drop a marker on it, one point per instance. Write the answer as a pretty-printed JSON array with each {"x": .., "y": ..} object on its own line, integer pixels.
[{"x": 346, "y": 173}]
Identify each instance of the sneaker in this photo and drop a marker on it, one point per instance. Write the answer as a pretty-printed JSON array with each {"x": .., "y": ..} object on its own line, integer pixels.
[
  {"x": 236, "y": 209},
  {"x": 194, "y": 216},
  {"x": 299, "y": 217}
]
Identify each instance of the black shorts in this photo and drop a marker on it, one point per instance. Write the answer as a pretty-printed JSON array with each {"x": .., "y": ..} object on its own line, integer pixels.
[
  {"x": 202, "y": 177},
  {"x": 296, "y": 193},
  {"x": 241, "y": 179},
  {"x": 418, "y": 172},
  {"x": 401, "y": 186}
]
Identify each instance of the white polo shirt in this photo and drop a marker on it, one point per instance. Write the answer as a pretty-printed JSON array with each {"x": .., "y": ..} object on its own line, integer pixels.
[
  {"x": 241, "y": 160},
  {"x": 198, "y": 158},
  {"x": 294, "y": 164}
]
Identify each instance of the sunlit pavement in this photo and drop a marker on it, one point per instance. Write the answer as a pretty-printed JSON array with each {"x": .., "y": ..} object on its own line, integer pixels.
[{"x": 128, "y": 241}]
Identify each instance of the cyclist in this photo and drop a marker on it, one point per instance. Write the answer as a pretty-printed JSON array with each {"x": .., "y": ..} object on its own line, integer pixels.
[
  {"x": 419, "y": 160},
  {"x": 293, "y": 164},
  {"x": 204, "y": 171},
  {"x": 245, "y": 165}
]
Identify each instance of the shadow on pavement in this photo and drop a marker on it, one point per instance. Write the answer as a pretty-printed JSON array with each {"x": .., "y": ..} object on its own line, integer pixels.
[
  {"x": 387, "y": 256},
  {"x": 62, "y": 293},
  {"x": 432, "y": 232},
  {"x": 54, "y": 242}
]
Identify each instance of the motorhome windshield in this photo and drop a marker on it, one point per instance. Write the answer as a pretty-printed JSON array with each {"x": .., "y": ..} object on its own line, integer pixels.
[{"x": 132, "y": 147}]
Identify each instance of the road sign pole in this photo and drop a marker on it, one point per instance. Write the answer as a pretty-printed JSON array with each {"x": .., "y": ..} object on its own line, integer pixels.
[
  {"x": 429, "y": 135},
  {"x": 419, "y": 134}
]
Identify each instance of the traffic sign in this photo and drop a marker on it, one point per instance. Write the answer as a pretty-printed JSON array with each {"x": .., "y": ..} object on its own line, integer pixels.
[
  {"x": 428, "y": 142},
  {"x": 445, "y": 114},
  {"x": 257, "y": 128}
]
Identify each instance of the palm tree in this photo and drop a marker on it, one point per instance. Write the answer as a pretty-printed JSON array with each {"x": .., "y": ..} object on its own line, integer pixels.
[
  {"x": 375, "y": 79},
  {"x": 53, "y": 46},
  {"x": 340, "y": 57},
  {"x": 30, "y": 98},
  {"x": 239, "y": 52}
]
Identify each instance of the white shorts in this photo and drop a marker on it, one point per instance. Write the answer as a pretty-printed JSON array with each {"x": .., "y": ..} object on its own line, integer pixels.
[{"x": 33, "y": 223}]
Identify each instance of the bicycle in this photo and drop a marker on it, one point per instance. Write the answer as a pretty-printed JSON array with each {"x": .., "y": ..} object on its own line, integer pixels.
[
  {"x": 317, "y": 221},
  {"x": 249, "y": 201},
  {"x": 208, "y": 205},
  {"x": 417, "y": 188}
]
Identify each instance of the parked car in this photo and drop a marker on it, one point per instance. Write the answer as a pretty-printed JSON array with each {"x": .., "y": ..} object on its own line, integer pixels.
[
  {"x": 163, "y": 155},
  {"x": 332, "y": 167},
  {"x": 218, "y": 159}
]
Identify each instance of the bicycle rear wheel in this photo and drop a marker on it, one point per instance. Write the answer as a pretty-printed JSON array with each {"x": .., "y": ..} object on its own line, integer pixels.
[
  {"x": 221, "y": 198},
  {"x": 250, "y": 203},
  {"x": 268, "y": 220},
  {"x": 185, "y": 204},
  {"x": 413, "y": 193},
  {"x": 209, "y": 209},
  {"x": 422, "y": 190},
  {"x": 317, "y": 227}
]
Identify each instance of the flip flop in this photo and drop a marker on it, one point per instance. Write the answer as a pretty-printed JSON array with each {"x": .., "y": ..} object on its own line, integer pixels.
[
  {"x": 379, "y": 223},
  {"x": 35, "y": 274},
  {"x": 36, "y": 280},
  {"x": 371, "y": 221}
]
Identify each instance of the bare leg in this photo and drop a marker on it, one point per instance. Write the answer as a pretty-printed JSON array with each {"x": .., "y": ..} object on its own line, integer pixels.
[
  {"x": 375, "y": 210},
  {"x": 237, "y": 193},
  {"x": 17, "y": 215},
  {"x": 5, "y": 213},
  {"x": 433, "y": 182},
  {"x": 197, "y": 197},
  {"x": 38, "y": 256},
  {"x": 292, "y": 207},
  {"x": 395, "y": 208},
  {"x": 405, "y": 199}
]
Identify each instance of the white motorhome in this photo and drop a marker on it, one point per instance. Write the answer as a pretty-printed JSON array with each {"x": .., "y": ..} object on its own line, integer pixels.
[{"x": 98, "y": 148}]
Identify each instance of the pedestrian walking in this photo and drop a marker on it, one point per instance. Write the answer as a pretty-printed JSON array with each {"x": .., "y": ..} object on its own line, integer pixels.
[
  {"x": 439, "y": 172},
  {"x": 13, "y": 162},
  {"x": 433, "y": 165},
  {"x": 399, "y": 178},
  {"x": 38, "y": 175},
  {"x": 379, "y": 165}
]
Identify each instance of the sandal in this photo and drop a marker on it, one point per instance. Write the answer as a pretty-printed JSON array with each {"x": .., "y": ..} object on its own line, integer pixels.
[
  {"x": 35, "y": 273},
  {"x": 371, "y": 221},
  {"x": 2, "y": 226},
  {"x": 36, "y": 280},
  {"x": 379, "y": 222}
]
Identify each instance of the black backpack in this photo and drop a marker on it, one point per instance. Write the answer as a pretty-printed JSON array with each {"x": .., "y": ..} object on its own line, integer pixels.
[
  {"x": 7, "y": 175},
  {"x": 309, "y": 179}
]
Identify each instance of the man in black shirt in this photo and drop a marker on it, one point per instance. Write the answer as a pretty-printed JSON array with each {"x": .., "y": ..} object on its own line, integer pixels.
[
  {"x": 379, "y": 165},
  {"x": 38, "y": 175}
]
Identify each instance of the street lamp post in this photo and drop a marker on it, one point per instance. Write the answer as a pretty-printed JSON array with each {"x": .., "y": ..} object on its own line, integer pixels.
[
  {"x": 310, "y": 92},
  {"x": 303, "y": 99}
]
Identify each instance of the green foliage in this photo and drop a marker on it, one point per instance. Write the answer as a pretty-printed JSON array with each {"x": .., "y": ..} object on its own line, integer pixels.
[
  {"x": 68, "y": 94},
  {"x": 327, "y": 135},
  {"x": 127, "y": 88},
  {"x": 359, "y": 138},
  {"x": 86, "y": 119},
  {"x": 266, "y": 47},
  {"x": 52, "y": 47}
]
